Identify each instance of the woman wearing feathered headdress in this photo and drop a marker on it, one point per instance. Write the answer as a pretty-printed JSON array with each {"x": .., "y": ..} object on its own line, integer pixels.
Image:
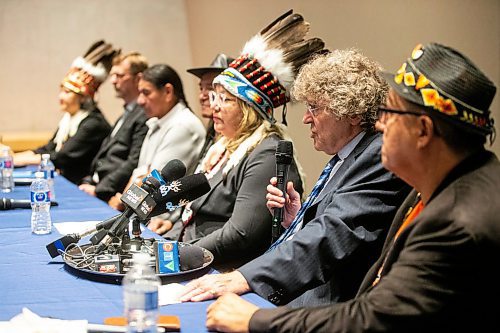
[
  {"x": 82, "y": 127},
  {"x": 232, "y": 220}
]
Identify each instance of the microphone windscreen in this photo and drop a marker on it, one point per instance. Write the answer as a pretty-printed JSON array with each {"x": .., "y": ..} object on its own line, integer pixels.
[
  {"x": 190, "y": 257},
  {"x": 185, "y": 190},
  {"x": 5, "y": 204},
  {"x": 173, "y": 170},
  {"x": 60, "y": 244},
  {"x": 153, "y": 183},
  {"x": 284, "y": 152}
]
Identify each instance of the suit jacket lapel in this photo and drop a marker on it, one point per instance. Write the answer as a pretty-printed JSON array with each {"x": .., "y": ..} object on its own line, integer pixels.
[
  {"x": 389, "y": 244},
  {"x": 109, "y": 140},
  {"x": 214, "y": 182},
  {"x": 339, "y": 176}
]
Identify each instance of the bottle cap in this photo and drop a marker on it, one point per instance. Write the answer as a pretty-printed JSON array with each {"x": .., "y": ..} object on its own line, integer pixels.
[
  {"x": 141, "y": 258},
  {"x": 46, "y": 156},
  {"x": 39, "y": 174}
]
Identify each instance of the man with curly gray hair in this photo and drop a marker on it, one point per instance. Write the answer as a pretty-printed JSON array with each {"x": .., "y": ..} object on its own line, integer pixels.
[
  {"x": 436, "y": 272},
  {"x": 345, "y": 83},
  {"x": 336, "y": 234}
]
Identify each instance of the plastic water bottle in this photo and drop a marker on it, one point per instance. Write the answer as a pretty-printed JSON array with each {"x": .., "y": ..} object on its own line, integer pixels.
[
  {"x": 41, "y": 222},
  {"x": 6, "y": 170},
  {"x": 140, "y": 296},
  {"x": 48, "y": 168}
]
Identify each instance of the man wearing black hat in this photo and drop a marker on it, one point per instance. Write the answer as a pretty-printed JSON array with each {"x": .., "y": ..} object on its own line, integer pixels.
[
  {"x": 206, "y": 76},
  {"x": 438, "y": 270}
]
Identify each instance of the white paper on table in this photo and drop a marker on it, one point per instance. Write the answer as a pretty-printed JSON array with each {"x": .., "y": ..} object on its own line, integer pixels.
[
  {"x": 170, "y": 293},
  {"x": 29, "y": 322},
  {"x": 65, "y": 228}
]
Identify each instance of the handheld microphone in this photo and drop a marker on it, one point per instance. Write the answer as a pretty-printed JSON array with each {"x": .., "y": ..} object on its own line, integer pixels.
[
  {"x": 191, "y": 257},
  {"x": 100, "y": 229},
  {"x": 139, "y": 201},
  {"x": 165, "y": 198},
  {"x": 136, "y": 199},
  {"x": 176, "y": 259},
  {"x": 171, "y": 257},
  {"x": 7, "y": 204},
  {"x": 178, "y": 193},
  {"x": 284, "y": 158},
  {"x": 173, "y": 170}
]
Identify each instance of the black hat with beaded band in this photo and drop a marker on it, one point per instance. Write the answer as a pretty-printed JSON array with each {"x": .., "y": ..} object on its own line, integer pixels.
[
  {"x": 220, "y": 63},
  {"x": 89, "y": 71},
  {"x": 264, "y": 72},
  {"x": 449, "y": 85}
]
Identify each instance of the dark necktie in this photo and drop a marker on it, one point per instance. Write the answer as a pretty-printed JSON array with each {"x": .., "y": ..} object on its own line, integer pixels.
[{"x": 309, "y": 201}]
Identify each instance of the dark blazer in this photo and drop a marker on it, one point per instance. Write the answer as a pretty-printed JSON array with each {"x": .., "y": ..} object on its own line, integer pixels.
[
  {"x": 441, "y": 274},
  {"x": 342, "y": 237},
  {"x": 232, "y": 220},
  {"x": 118, "y": 155},
  {"x": 209, "y": 139},
  {"x": 74, "y": 158}
]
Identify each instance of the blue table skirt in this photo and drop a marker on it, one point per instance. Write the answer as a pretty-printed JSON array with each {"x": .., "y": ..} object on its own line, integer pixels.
[{"x": 30, "y": 278}]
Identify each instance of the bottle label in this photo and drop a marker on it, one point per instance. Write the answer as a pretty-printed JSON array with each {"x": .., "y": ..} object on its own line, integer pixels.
[
  {"x": 142, "y": 301},
  {"x": 40, "y": 197},
  {"x": 6, "y": 164},
  {"x": 48, "y": 174},
  {"x": 151, "y": 301}
]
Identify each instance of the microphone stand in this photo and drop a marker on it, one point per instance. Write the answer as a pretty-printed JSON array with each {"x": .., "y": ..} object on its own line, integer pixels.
[{"x": 133, "y": 242}]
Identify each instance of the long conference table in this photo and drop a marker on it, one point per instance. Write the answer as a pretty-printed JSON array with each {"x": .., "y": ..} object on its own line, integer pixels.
[{"x": 30, "y": 278}]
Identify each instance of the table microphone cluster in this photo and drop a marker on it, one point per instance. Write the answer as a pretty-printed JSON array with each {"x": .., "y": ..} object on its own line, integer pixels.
[{"x": 111, "y": 247}]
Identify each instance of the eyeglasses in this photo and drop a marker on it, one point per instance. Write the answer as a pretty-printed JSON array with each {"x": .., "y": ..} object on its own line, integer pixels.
[
  {"x": 218, "y": 99},
  {"x": 313, "y": 110},
  {"x": 382, "y": 113}
]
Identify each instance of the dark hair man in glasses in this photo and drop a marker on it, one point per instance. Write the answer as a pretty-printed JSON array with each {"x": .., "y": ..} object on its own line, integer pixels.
[{"x": 438, "y": 271}]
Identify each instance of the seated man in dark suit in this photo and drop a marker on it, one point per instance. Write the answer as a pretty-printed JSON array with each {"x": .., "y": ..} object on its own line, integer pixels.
[
  {"x": 119, "y": 152},
  {"x": 438, "y": 271},
  {"x": 339, "y": 231}
]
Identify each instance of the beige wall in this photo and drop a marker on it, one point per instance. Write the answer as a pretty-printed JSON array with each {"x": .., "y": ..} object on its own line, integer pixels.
[
  {"x": 39, "y": 39},
  {"x": 386, "y": 30}
]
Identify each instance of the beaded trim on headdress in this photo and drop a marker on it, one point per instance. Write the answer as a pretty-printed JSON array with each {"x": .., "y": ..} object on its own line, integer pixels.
[
  {"x": 430, "y": 94},
  {"x": 264, "y": 72},
  {"x": 238, "y": 85},
  {"x": 88, "y": 72}
]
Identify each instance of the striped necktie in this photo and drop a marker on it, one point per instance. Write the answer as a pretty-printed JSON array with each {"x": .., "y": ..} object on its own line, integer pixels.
[{"x": 294, "y": 226}]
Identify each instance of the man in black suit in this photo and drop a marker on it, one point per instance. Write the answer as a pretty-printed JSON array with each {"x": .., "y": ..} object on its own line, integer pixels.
[
  {"x": 339, "y": 231},
  {"x": 438, "y": 271},
  {"x": 119, "y": 152}
]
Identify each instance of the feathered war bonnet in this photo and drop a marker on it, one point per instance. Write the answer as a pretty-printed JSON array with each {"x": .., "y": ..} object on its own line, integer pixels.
[
  {"x": 264, "y": 72},
  {"x": 88, "y": 72}
]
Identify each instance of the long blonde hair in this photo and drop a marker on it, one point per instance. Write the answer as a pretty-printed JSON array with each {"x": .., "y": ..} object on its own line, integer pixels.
[{"x": 250, "y": 121}]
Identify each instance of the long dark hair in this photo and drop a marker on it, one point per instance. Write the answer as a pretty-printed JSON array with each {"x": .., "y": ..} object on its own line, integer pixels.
[{"x": 161, "y": 74}]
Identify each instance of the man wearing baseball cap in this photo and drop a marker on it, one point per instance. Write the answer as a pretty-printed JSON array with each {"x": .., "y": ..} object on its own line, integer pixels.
[{"x": 438, "y": 271}]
